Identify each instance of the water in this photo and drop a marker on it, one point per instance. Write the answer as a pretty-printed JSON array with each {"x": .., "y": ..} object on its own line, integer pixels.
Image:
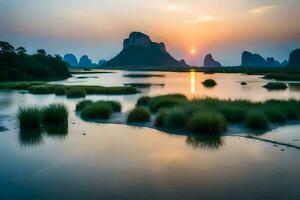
[{"x": 120, "y": 162}]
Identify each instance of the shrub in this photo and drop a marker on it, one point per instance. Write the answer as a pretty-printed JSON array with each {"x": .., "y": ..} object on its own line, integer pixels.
[
  {"x": 40, "y": 89},
  {"x": 143, "y": 101},
  {"x": 139, "y": 114},
  {"x": 96, "y": 111},
  {"x": 256, "y": 120},
  {"x": 60, "y": 91},
  {"x": 233, "y": 113},
  {"x": 29, "y": 118},
  {"x": 76, "y": 93},
  {"x": 175, "y": 118},
  {"x": 207, "y": 123},
  {"x": 209, "y": 83},
  {"x": 82, "y": 104},
  {"x": 275, "y": 86},
  {"x": 243, "y": 83},
  {"x": 55, "y": 114}
]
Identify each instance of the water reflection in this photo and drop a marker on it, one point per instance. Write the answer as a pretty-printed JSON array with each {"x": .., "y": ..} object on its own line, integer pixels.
[
  {"x": 205, "y": 142},
  {"x": 34, "y": 138},
  {"x": 193, "y": 82},
  {"x": 30, "y": 138}
]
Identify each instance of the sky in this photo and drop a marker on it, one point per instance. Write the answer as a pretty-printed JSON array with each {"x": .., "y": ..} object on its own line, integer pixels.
[{"x": 189, "y": 28}]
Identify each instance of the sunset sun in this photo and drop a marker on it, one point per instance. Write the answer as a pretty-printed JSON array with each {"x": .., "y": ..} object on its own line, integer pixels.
[{"x": 193, "y": 51}]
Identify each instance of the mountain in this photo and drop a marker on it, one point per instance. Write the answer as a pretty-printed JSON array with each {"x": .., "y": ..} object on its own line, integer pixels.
[
  {"x": 139, "y": 51},
  {"x": 256, "y": 60},
  {"x": 71, "y": 60},
  {"x": 210, "y": 62},
  {"x": 85, "y": 61},
  {"x": 294, "y": 60},
  {"x": 101, "y": 61}
]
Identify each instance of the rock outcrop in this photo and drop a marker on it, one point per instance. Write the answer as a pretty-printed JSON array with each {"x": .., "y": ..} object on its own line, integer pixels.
[
  {"x": 210, "y": 62},
  {"x": 256, "y": 60},
  {"x": 139, "y": 51},
  {"x": 71, "y": 60},
  {"x": 85, "y": 62},
  {"x": 294, "y": 60}
]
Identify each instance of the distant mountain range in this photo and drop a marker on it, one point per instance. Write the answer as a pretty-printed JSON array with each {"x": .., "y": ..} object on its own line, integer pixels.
[
  {"x": 256, "y": 60},
  {"x": 139, "y": 51},
  {"x": 84, "y": 61}
]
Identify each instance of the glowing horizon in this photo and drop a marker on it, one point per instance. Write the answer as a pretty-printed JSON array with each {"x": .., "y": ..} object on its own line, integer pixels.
[{"x": 190, "y": 28}]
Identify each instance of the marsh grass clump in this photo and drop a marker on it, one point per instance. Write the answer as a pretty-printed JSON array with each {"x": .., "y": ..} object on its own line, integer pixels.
[
  {"x": 243, "y": 83},
  {"x": 166, "y": 101},
  {"x": 160, "y": 118},
  {"x": 60, "y": 91},
  {"x": 82, "y": 104},
  {"x": 29, "y": 118},
  {"x": 208, "y": 122},
  {"x": 116, "y": 106},
  {"x": 55, "y": 114},
  {"x": 40, "y": 89},
  {"x": 275, "y": 114},
  {"x": 76, "y": 93},
  {"x": 96, "y": 111},
  {"x": 143, "y": 101},
  {"x": 175, "y": 119},
  {"x": 256, "y": 120},
  {"x": 209, "y": 83},
  {"x": 275, "y": 86},
  {"x": 139, "y": 114}
]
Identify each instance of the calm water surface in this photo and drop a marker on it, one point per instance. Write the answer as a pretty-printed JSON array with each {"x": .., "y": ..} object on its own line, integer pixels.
[{"x": 102, "y": 161}]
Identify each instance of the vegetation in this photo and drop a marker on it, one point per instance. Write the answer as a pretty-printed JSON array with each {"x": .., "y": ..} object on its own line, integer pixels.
[
  {"x": 40, "y": 89},
  {"x": 243, "y": 83},
  {"x": 82, "y": 104},
  {"x": 144, "y": 75},
  {"x": 275, "y": 86},
  {"x": 96, "y": 111},
  {"x": 210, "y": 115},
  {"x": 55, "y": 114},
  {"x": 207, "y": 123},
  {"x": 139, "y": 114},
  {"x": 17, "y": 65},
  {"x": 29, "y": 118},
  {"x": 91, "y": 90},
  {"x": 256, "y": 120},
  {"x": 76, "y": 93},
  {"x": 60, "y": 91},
  {"x": 283, "y": 76},
  {"x": 209, "y": 83}
]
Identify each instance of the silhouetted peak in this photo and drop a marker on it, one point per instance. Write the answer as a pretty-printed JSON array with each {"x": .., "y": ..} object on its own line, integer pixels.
[
  {"x": 85, "y": 61},
  {"x": 253, "y": 60},
  {"x": 210, "y": 62},
  {"x": 71, "y": 60},
  {"x": 294, "y": 60}
]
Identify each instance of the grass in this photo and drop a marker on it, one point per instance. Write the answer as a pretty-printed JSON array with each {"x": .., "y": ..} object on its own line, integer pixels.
[
  {"x": 175, "y": 119},
  {"x": 82, "y": 104},
  {"x": 275, "y": 86},
  {"x": 216, "y": 113},
  {"x": 243, "y": 83},
  {"x": 139, "y": 114},
  {"x": 60, "y": 91},
  {"x": 283, "y": 76},
  {"x": 96, "y": 111},
  {"x": 207, "y": 123},
  {"x": 256, "y": 120},
  {"x": 144, "y": 75},
  {"x": 76, "y": 93},
  {"x": 166, "y": 101},
  {"x": 29, "y": 118},
  {"x": 55, "y": 114},
  {"x": 209, "y": 83},
  {"x": 40, "y": 89},
  {"x": 44, "y": 88}
]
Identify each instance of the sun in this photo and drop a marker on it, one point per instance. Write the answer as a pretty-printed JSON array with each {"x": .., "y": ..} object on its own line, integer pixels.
[{"x": 193, "y": 51}]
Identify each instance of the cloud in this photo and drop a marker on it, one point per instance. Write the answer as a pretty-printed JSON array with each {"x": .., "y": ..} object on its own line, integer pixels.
[
  {"x": 262, "y": 9},
  {"x": 201, "y": 19}
]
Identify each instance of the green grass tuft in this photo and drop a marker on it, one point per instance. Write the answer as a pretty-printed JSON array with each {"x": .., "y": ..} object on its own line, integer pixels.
[
  {"x": 55, "y": 114},
  {"x": 166, "y": 101},
  {"x": 143, "y": 101},
  {"x": 82, "y": 104},
  {"x": 29, "y": 118},
  {"x": 139, "y": 114},
  {"x": 96, "y": 111},
  {"x": 60, "y": 91},
  {"x": 256, "y": 120},
  {"x": 40, "y": 89},
  {"x": 76, "y": 93},
  {"x": 207, "y": 123},
  {"x": 175, "y": 119}
]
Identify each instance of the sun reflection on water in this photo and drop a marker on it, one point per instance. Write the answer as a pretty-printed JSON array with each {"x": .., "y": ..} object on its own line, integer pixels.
[{"x": 193, "y": 82}]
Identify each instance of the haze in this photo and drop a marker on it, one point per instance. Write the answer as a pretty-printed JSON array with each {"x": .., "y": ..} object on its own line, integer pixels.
[{"x": 97, "y": 28}]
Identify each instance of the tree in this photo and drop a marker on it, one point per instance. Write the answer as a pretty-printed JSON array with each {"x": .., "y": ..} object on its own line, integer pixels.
[
  {"x": 6, "y": 47},
  {"x": 41, "y": 52},
  {"x": 21, "y": 51}
]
